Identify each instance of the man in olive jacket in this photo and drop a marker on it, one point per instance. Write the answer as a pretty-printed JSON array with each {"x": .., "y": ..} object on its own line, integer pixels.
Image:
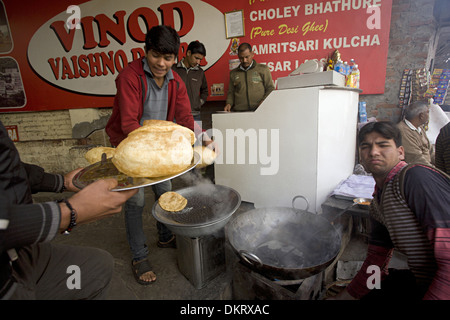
[{"x": 250, "y": 83}]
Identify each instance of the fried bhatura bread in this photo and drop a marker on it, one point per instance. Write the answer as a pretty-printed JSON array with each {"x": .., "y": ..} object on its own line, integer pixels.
[
  {"x": 94, "y": 155},
  {"x": 207, "y": 155},
  {"x": 165, "y": 126},
  {"x": 159, "y": 148},
  {"x": 172, "y": 201}
]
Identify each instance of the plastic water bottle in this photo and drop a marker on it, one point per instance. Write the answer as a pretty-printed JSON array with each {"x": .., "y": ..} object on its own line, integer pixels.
[
  {"x": 339, "y": 67},
  {"x": 356, "y": 76},
  {"x": 347, "y": 69},
  {"x": 351, "y": 65},
  {"x": 362, "y": 112},
  {"x": 353, "y": 78}
]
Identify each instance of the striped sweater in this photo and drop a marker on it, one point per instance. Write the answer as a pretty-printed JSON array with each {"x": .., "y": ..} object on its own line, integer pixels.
[
  {"x": 418, "y": 226},
  {"x": 23, "y": 223},
  {"x": 404, "y": 229}
]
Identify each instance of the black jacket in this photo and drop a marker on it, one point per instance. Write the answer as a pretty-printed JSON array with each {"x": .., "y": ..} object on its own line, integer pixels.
[
  {"x": 196, "y": 85},
  {"x": 23, "y": 223}
]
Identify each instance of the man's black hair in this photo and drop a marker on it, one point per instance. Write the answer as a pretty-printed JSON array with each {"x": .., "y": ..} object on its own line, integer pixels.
[
  {"x": 196, "y": 47},
  {"x": 162, "y": 39},
  {"x": 244, "y": 46},
  {"x": 385, "y": 128}
]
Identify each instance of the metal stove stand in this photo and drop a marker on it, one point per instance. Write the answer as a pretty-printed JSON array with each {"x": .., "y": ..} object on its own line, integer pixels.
[
  {"x": 201, "y": 259},
  {"x": 250, "y": 285}
]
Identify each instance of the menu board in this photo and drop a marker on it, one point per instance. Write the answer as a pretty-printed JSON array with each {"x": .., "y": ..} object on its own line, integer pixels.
[{"x": 67, "y": 54}]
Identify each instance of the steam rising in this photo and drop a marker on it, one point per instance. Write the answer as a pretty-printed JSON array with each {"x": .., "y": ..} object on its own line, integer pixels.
[{"x": 207, "y": 203}]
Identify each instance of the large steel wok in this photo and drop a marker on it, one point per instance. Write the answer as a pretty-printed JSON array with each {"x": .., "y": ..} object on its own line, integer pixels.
[{"x": 284, "y": 243}]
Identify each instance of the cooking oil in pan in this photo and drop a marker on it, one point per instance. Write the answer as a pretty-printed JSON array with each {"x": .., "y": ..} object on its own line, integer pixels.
[{"x": 280, "y": 254}]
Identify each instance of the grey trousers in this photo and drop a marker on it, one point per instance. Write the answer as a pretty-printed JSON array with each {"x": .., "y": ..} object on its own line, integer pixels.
[{"x": 49, "y": 271}]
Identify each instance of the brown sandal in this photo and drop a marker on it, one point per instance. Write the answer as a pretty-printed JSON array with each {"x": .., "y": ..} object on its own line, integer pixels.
[
  {"x": 139, "y": 268},
  {"x": 172, "y": 243}
]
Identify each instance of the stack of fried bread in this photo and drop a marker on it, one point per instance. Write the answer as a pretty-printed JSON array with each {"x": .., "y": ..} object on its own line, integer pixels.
[{"x": 156, "y": 149}]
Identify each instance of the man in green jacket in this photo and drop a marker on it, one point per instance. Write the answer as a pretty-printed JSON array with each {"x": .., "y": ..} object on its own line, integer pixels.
[{"x": 250, "y": 82}]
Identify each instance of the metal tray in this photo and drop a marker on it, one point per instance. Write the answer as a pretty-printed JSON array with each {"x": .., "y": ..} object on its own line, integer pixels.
[{"x": 106, "y": 169}]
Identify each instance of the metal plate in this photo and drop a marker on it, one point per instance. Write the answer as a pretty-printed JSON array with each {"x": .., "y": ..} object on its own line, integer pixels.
[{"x": 104, "y": 170}]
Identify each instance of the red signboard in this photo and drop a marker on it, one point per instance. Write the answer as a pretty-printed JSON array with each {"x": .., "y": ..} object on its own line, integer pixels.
[{"x": 66, "y": 54}]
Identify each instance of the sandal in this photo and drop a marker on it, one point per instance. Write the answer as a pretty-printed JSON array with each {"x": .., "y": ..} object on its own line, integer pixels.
[
  {"x": 139, "y": 268},
  {"x": 172, "y": 243}
]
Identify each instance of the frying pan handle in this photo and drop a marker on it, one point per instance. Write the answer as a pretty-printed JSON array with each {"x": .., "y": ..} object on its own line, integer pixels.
[
  {"x": 296, "y": 197},
  {"x": 245, "y": 255}
]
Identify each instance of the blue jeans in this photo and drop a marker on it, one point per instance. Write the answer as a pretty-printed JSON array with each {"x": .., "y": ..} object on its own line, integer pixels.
[{"x": 134, "y": 208}]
